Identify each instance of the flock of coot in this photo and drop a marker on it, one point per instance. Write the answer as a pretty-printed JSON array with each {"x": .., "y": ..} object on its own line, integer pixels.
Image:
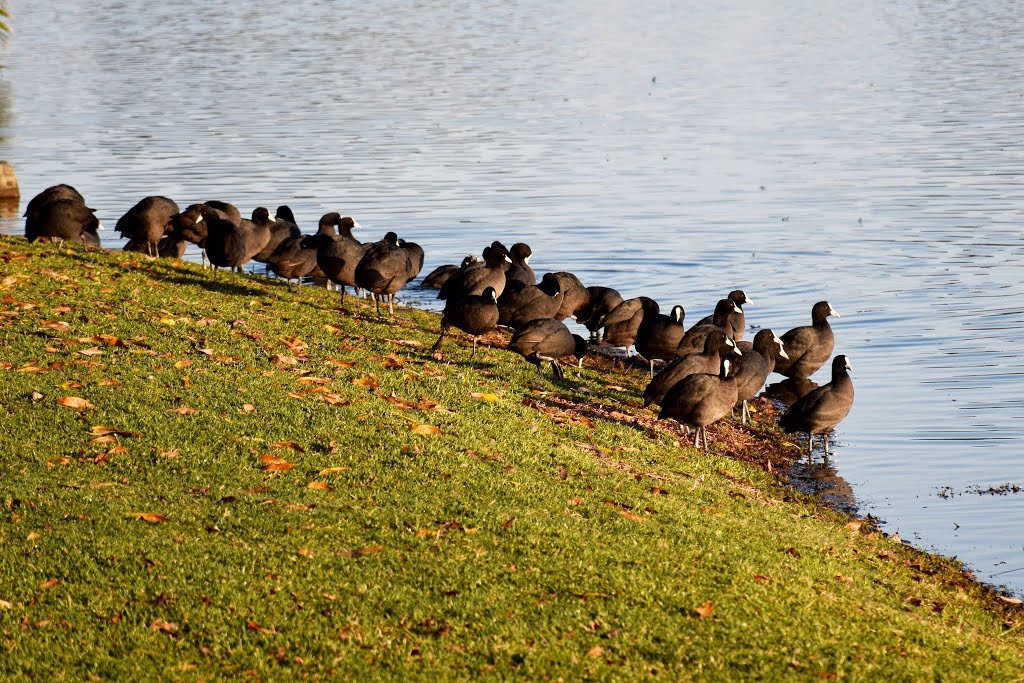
[{"x": 709, "y": 369}]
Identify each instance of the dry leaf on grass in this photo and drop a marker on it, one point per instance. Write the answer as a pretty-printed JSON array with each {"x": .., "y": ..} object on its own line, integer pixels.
[
  {"x": 595, "y": 652},
  {"x": 288, "y": 444},
  {"x": 183, "y": 410},
  {"x": 318, "y": 486},
  {"x": 364, "y": 381},
  {"x": 74, "y": 402},
  {"x": 163, "y": 625},
  {"x": 334, "y": 470},
  {"x": 272, "y": 463},
  {"x": 425, "y": 430},
  {"x": 151, "y": 517},
  {"x": 632, "y": 515},
  {"x": 48, "y": 584},
  {"x": 253, "y": 626},
  {"x": 490, "y": 398},
  {"x": 705, "y": 610}
]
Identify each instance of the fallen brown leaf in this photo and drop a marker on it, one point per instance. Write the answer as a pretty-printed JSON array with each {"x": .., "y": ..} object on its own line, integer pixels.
[
  {"x": 425, "y": 430},
  {"x": 334, "y": 470},
  {"x": 633, "y": 516},
  {"x": 248, "y": 407},
  {"x": 319, "y": 486},
  {"x": 49, "y": 583},
  {"x": 595, "y": 652},
  {"x": 705, "y": 610},
  {"x": 163, "y": 625},
  {"x": 272, "y": 463},
  {"x": 490, "y": 398},
  {"x": 368, "y": 550},
  {"x": 151, "y": 517},
  {"x": 364, "y": 381},
  {"x": 183, "y": 410},
  {"x": 91, "y": 351},
  {"x": 74, "y": 402},
  {"x": 253, "y": 626}
]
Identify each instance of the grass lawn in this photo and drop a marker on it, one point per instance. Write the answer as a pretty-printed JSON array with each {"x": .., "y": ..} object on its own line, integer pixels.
[{"x": 206, "y": 476}]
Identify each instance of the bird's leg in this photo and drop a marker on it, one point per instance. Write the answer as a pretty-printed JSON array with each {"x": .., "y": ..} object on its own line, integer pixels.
[
  {"x": 376, "y": 298},
  {"x": 696, "y": 438},
  {"x": 342, "y": 288},
  {"x": 810, "y": 445},
  {"x": 437, "y": 345},
  {"x": 391, "y": 304},
  {"x": 824, "y": 437},
  {"x": 652, "y": 368},
  {"x": 745, "y": 414},
  {"x": 557, "y": 371},
  {"x": 474, "y": 347}
]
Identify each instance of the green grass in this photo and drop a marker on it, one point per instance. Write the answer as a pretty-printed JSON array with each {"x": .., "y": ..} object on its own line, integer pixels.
[{"x": 523, "y": 540}]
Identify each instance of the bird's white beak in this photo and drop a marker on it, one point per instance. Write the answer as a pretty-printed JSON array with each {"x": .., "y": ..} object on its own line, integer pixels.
[{"x": 782, "y": 348}]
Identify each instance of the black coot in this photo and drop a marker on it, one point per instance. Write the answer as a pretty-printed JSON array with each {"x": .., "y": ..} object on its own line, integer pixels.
[
  {"x": 810, "y": 346},
  {"x": 475, "y": 279},
  {"x": 693, "y": 340},
  {"x": 475, "y": 315},
  {"x": 700, "y": 400},
  {"x": 753, "y": 367},
  {"x": 337, "y": 255},
  {"x": 716, "y": 347},
  {"x": 574, "y": 295},
  {"x": 821, "y": 410},
  {"x": 520, "y": 270},
  {"x": 547, "y": 340},
  {"x": 280, "y": 230},
  {"x": 659, "y": 335},
  {"x": 519, "y": 304},
  {"x": 737, "y": 321},
  {"x": 386, "y": 266},
  {"x": 148, "y": 222},
  {"x": 601, "y": 302}
]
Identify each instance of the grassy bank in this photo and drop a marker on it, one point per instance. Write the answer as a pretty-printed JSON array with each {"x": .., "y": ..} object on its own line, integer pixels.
[{"x": 207, "y": 476}]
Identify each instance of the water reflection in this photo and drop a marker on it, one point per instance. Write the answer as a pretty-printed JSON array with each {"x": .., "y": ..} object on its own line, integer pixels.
[
  {"x": 10, "y": 208},
  {"x": 822, "y": 480},
  {"x": 790, "y": 390}
]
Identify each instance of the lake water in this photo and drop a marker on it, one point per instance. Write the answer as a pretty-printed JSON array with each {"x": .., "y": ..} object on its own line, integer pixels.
[{"x": 867, "y": 153}]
